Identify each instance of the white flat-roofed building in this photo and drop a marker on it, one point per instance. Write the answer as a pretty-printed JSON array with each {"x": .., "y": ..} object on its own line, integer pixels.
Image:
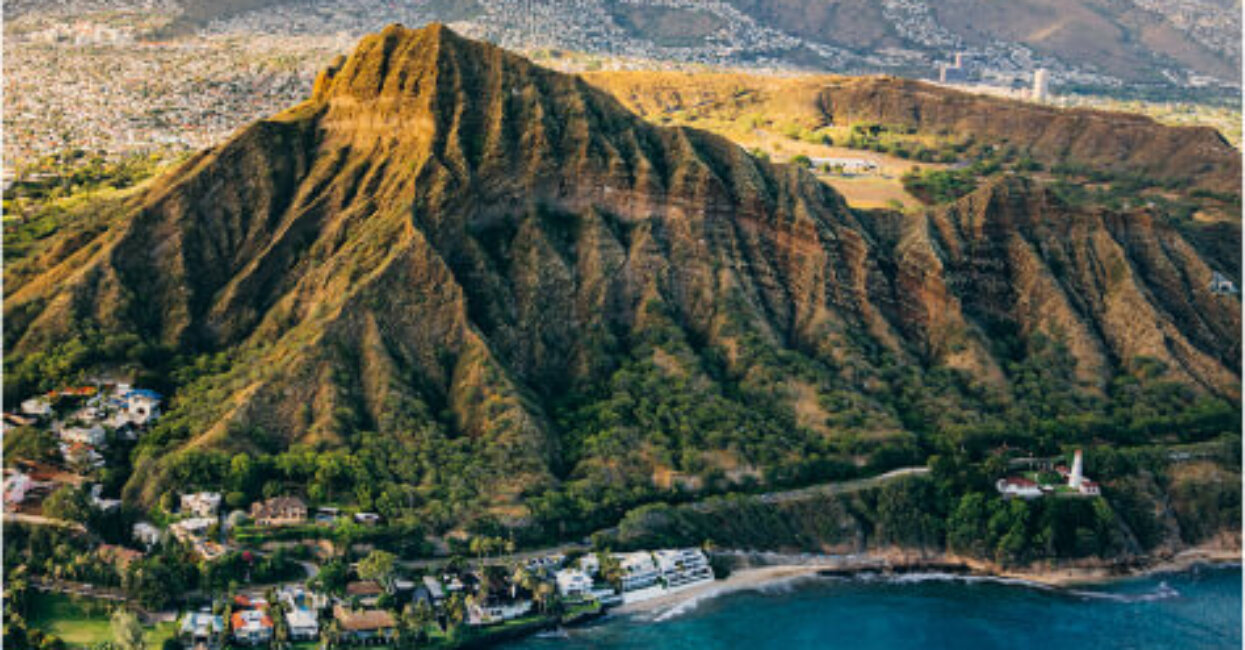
[
  {"x": 573, "y": 582},
  {"x": 303, "y": 624},
  {"x": 682, "y": 567},
  {"x": 146, "y": 534},
  {"x": 638, "y": 570}
]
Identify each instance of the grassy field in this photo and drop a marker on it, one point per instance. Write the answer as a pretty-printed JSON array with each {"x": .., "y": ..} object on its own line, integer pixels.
[{"x": 82, "y": 622}]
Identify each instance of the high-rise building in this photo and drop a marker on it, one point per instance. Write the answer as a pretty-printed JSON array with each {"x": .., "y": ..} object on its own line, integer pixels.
[{"x": 1041, "y": 85}]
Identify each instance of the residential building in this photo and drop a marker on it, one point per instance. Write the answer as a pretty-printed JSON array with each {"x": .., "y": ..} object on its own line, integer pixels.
[
  {"x": 303, "y": 624},
  {"x": 201, "y": 504},
  {"x": 365, "y": 626},
  {"x": 201, "y": 631},
  {"x": 590, "y": 564},
  {"x": 435, "y": 592},
  {"x": 497, "y": 611},
  {"x": 93, "y": 436},
  {"x": 683, "y": 567},
  {"x": 367, "y": 591},
  {"x": 118, "y": 556},
  {"x": 367, "y": 518},
  {"x": 638, "y": 570},
  {"x": 252, "y": 627},
  {"x": 37, "y": 406},
  {"x": 146, "y": 534},
  {"x": 572, "y": 582},
  {"x": 280, "y": 511},
  {"x": 1016, "y": 486},
  {"x": 142, "y": 406}
]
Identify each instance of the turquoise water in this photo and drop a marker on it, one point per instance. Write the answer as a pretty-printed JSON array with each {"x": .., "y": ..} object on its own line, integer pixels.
[{"x": 1197, "y": 609}]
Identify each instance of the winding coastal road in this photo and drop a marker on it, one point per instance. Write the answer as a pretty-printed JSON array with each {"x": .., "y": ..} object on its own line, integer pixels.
[{"x": 783, "y": 496}]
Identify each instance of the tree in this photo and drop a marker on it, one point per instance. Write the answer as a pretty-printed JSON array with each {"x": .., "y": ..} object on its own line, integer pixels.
[
  {"x": 332, "y": 577},
  {"x": 378, "y": 566},
  {"x": 69, "y": 503},
  {"x": 455, "y": 613},
  {"x": 127, "y": 632}
]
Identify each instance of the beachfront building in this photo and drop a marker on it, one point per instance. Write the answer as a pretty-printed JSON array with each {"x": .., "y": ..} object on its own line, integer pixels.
[
  {"x": 201, "y": 631},
  {"x": 638, "y": 570},
  {"x": 495, "y": 611},
  {"x": 367, "y": 626},
  {"x": 572, "y": 582},
  {"x": 683, "y": 567}
]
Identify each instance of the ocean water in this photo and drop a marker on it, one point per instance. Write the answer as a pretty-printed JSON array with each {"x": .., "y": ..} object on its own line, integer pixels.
[{"x": 1199, "y": 609}]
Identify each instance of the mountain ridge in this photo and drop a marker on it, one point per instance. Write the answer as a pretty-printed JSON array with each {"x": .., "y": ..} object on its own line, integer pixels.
[{"x": 485, "y": 263}]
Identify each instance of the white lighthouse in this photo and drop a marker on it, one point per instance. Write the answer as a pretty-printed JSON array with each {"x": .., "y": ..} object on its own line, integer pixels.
[{"x": 1076, "y": 477}]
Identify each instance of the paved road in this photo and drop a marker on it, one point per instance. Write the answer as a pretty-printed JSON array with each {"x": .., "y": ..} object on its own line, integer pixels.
[{"x": 826, "y": 489}]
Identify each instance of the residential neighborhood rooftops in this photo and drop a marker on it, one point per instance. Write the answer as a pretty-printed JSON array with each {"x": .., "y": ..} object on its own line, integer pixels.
[
  {"x": 364, "y": 588},
  {"x": 367, "y": 619}
]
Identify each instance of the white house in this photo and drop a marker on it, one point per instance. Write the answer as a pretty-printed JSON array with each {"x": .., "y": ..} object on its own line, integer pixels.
[
  {"x": 93, "y": 436},
  {"x": 573, "y": 582},
  {"x": 37, "y": 406},
  {"x": 142, "y": 405},
  {"x": 303, "y": 625},
  {"x": 497, "y": 612},
  {"x": 1016, "y": 486},
  {"x": 638, "y": 570},
  {"x": 201, "y": 629},
  {"x": 683, "y": 567},
  {"x": 590, "y": 564},
  {"x": 252, "y": 627},
  {"x": 146, "y": 534},
  {"x": 201, "y": 504}
]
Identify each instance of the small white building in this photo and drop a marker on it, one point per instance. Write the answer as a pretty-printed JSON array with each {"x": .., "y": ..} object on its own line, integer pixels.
[
  {"x": 93, "y": 435},
  {"x": 573, "y": 582},
  {"x": 201, "y": 504},
  {"x": 37, "y": 406},
  {"x": 303, "y": 624},
  {"x": 590, "y": 564},
  {"x": 1017, "y": 487},
  {"x": 142, "y": 406},
  {"x": 201, "y": 629},
  {"x": 497, "y": 612},
  {"x": 146, "y": 534},
  {"x": 15, "y": 487}
]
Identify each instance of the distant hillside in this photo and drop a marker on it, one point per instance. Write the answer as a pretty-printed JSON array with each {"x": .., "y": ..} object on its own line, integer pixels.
[
  {"x": 1116, "y": 142},
  {"x": 1101, "y": 43},
  {"x": 455, "y": 286}
]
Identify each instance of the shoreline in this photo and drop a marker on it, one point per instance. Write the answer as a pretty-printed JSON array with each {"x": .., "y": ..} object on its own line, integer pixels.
[{"x": 770, "y": 570}]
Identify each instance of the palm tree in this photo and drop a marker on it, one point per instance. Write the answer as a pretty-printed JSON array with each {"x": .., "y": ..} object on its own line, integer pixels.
[{"x": 455, "y": 613}]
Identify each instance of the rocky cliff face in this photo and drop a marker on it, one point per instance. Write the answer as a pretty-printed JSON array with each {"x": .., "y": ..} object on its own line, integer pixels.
[{"x": 448, "y": 236}]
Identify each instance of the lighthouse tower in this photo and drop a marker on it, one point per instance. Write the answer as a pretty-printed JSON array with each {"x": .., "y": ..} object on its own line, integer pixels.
[{"x": 1077, "y": 475}]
